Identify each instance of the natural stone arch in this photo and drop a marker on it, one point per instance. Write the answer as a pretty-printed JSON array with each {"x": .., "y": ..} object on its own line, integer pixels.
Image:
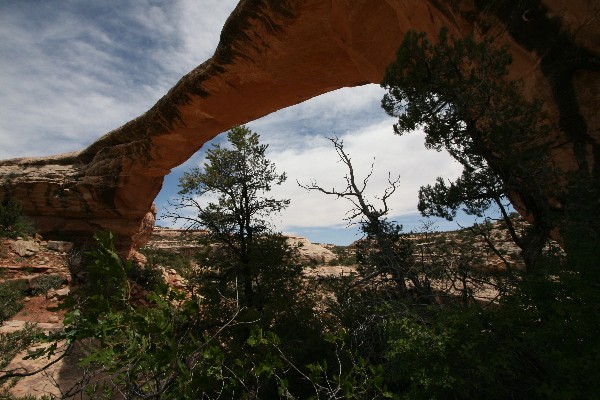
[{"x": 276, "y": 53}]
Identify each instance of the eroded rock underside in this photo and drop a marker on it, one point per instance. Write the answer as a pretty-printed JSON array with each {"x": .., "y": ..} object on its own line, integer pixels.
[{"x": 276, "y": 53}]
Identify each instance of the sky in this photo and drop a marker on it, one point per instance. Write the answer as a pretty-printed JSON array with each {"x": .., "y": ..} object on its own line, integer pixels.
[{"x": 73, "y": 70}]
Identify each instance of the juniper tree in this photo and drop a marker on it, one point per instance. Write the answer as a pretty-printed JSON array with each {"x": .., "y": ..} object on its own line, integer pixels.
[
  {"x": 238, "y": 179},
  {"x": 457, "y": 91}
]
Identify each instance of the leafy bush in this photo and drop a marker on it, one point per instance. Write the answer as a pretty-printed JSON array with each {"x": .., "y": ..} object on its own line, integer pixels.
[
  {"x": 190, "y": 346},
  {"x": 6, "y": 395},
  {"x": 11, "y": 296},
  {"x": 148, "y": 276},
  {"x": 12, "y": 221},
  {"x": 344, "y": 255},
  {"x": 14, "y": 342},
  {"x": 539, "y": 343},
  {"x": 106, "y": 287},
  {"x": 274, "y": 265},
  {"x": 167, "y": 259},
  {"x": 46, "y": 282}
]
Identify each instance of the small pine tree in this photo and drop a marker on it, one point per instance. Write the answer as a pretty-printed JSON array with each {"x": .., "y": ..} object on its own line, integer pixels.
[{"x": 240, "y": 178}]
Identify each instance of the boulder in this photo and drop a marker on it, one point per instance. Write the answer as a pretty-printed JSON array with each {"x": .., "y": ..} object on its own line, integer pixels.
[
  {"x": 25, "y": 248},
  {"x": 59, "y": 246},
  {"x": 312, "y": 253},
  {"x": 58, "y": 294}
]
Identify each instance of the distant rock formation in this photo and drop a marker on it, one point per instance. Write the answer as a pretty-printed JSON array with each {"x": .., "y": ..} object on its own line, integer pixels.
[
  {"x": 182, "y": 241},
  {"x": 311, "y": 253},
  {"x": 276, "y": 53}
]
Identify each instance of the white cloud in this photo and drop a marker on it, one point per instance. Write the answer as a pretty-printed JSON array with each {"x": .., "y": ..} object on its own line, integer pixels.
[
  {"x": 316, "y": 159},
  {"x": 334, "y": 113},
  {"x": 404, "y": 156},
  {"x": 200, "y": 25},
  {"x": 72, "y": 71}
]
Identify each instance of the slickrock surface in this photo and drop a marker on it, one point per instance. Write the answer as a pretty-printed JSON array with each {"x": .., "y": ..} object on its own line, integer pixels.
[{"x": 313, "y": 253}]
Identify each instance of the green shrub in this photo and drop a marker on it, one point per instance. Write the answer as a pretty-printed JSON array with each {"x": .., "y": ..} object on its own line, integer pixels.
[
  {"x": 46, "y": 282},
  {"x": 184, "y": 345},
  {"x": 167, "y": 259},
  {"x": 13, "y": 343},
  {"x": 149, "y": 276},
  {"x": 12, "y": 221},
  {"x": 11, "y": 296},
  {"x": 344, "y": 256},
  {"x": 541, "y": 342},
  {"x": 6, "y": 395},
  {"x": 106, "y": 287}
]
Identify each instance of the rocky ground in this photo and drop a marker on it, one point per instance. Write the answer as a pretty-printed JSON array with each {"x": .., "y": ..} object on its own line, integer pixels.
[
  {"x": 33, "y": 262},
  {"x": 42, "y": 269}
]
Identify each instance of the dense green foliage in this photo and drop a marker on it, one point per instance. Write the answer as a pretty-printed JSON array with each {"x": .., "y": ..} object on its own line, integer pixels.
[
  {"x": 205, "y": 344},
  {"x": 276, "y": 272},
  {"x": 106, "y": 288},
  {"x": 533, "y": 346},
  {"x": 11, "y": 296},
  {"x": 458, "y": 93},
  {"x": 11, "y": 344},
  {"x": 539, "y": 342},
  {"x": 12, "y": 221},
  {"x": 240, "y": 178}
]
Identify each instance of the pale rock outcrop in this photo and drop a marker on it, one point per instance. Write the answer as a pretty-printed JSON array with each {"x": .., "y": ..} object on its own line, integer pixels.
[
  {"x": 58, "y": 294},
  {"x": 59, "y": 245},
  {"x": 25, "y": 248},
  {"x": 313, "y": 253},
  {"x": 276, "y": 53}
]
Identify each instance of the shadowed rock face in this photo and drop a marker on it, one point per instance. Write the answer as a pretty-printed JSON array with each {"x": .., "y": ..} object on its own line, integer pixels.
[{"x": 276, "y": 53}]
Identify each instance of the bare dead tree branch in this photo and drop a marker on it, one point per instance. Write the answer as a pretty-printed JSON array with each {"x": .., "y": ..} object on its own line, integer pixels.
[{"x": 390, "y": 254}]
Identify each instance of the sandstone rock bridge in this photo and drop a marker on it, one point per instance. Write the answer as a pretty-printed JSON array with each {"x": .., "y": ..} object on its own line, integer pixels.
[{"x": 276, "y": 53}]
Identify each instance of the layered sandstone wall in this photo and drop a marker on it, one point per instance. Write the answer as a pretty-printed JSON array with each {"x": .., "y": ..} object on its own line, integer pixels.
[{"x": 276, "y": 53}]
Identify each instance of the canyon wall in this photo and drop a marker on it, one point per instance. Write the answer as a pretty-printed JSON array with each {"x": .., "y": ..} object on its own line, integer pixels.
[{"x": 276, "y": 53}]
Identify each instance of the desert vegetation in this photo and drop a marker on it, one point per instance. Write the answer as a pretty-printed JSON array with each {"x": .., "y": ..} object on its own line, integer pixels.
[
  {"x": 12, "y": 221},
  {"x": 492, "y": 311}
]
